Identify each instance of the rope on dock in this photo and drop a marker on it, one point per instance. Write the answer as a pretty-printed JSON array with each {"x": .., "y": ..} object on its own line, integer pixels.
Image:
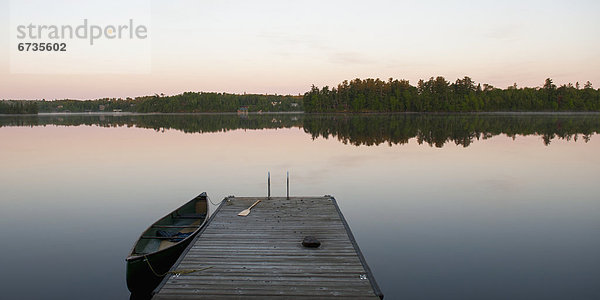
[
  {"x": 176, "y": 272},
  {"x": 215, "y": 204}
]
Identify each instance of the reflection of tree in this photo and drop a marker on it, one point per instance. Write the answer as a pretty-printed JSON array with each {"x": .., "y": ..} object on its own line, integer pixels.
[
  {"x": 356, "y": 129},
  {"x": 188, "y": 123},
  {"x": 439, "y": 129}
]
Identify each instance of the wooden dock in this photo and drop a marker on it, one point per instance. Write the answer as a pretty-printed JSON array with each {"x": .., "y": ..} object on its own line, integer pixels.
[{"x": 261, "y": 255}]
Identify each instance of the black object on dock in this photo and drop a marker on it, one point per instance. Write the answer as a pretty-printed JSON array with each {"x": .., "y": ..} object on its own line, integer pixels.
[{"x": 311, "y": 242}]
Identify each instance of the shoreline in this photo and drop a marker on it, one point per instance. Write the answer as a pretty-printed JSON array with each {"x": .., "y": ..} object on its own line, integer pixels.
[{"x": 305, "y": 113}]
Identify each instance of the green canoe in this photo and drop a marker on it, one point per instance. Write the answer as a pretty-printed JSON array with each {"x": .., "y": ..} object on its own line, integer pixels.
[{"x": 161, "y": 244}]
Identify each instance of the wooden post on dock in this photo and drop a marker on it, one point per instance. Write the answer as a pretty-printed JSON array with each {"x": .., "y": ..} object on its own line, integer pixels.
[
  {"x": 288, "y": 187},
  {"x": 269, "y": 185}
]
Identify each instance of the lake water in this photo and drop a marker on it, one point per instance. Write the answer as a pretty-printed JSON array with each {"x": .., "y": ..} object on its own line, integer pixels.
[{"x": 486, "y": 206}]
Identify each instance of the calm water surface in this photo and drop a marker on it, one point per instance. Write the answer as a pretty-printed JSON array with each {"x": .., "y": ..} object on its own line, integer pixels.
[{"x": 443, "y": 206}]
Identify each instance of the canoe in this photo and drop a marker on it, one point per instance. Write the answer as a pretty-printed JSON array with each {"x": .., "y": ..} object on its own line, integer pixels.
[{"x": 157, "y": 249}]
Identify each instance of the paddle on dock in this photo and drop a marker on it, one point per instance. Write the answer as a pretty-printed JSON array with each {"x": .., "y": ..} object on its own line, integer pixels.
[{"x": 246, "y": 211}]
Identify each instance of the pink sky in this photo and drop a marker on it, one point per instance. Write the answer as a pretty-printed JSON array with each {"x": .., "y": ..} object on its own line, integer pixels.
[{"x": 284, "y": 48}]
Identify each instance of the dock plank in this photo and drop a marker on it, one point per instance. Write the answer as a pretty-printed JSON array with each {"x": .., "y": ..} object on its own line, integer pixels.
[{"x": 261, "y": 255}]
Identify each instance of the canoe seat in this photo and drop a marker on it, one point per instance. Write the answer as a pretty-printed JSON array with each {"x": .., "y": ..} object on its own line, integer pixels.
[
  {"x": 156, "y": 237},
  {"x": 175, "y": 226},
  {"x": 189, "y": 216}
]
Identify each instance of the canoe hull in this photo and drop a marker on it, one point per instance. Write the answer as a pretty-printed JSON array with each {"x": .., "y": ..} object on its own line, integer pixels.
[
  {"x": 142, "y": 279},
  {"x": 148, "y": 261}
]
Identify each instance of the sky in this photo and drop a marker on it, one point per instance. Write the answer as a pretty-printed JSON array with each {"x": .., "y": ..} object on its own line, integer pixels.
[{"x": 284, "y": 47}]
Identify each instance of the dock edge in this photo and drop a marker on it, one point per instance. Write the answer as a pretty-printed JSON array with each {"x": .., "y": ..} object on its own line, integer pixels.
[{"x": 362, "y": 259}]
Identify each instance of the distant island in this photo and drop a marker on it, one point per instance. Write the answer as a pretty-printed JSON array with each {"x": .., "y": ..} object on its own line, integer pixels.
[{"x": 357, "y": 96}]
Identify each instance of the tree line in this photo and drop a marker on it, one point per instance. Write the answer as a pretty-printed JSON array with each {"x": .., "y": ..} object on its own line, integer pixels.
[
  {"x": 18, "y": 107},
  {"x": 439, "y": 95},
  {"x": 189, "y": 102},
  {"x": 358, "y": 95}
]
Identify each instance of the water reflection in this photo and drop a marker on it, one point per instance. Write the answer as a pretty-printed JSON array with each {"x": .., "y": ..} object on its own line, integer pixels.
[
  {"x": 499, "y": 219},
  {"x": 371, "y": 129},
  {"x": 439, "y": 129},
  {"x": 188, "y": 123}
]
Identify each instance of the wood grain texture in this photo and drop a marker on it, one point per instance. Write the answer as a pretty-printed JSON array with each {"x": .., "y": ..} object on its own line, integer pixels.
[{"x": 261, "y": 255}]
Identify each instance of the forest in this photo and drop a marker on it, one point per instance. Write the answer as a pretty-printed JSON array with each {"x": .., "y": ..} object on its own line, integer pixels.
[
  {"x": 356, "y": 96},
  {"x": 18, "y": 107},
  {"x": 439, "y": 95},
  {"x": 189, "y": 102}
]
